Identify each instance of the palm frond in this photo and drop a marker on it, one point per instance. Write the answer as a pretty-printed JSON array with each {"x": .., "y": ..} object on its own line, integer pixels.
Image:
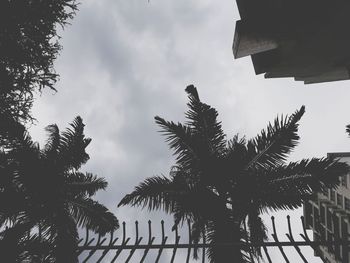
[
  {"x": 92, "y": 215},
  {"x": 23, "y": 141},
  {"x": 10, "y": 131},
  {"x": 73, "y": 144},
  {"x": 286, "y": 186},
  {"x": 274, "y": 144},
  {"x": 34, "y": 249},
  {"x": 11, "y": 210},
  {"x": 202, "y": 118},
  {"x": 197, "y": 232},
  {"x": 154, "y": 193},
  {"x": 257, "y": 230},
  {"x": 315, "y": 172},
  {"x": 236, "y": 142},
  {"x": 25, "y": 167},
  {"x": 13, "y": 241},
  {"x": 52, "y": 145},
  {"x": 64, "y": 236},
  {"x": 237, "y": 153},
  {"x": 181, "y": 140},
  {"x": 197, "y": 202},
  {"x": 87, "y": 184}
]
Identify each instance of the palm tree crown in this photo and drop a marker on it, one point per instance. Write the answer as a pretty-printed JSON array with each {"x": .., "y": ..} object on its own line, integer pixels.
[
  {"x": 49, "y": 193},
  {"x": 220, "y": 184}
]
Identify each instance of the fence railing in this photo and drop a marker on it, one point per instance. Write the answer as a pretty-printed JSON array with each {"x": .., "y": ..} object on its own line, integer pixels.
[{"x": 124, "y": 243}]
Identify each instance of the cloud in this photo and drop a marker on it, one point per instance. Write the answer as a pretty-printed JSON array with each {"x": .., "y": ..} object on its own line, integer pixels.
[{"x": 124, "y": 62}]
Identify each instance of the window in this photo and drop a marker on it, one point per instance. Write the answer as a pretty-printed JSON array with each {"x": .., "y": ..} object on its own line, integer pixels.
[
  {"x": 323, "y": 233},
  {"x": 330, "y": 237},
  {"x": 333, "y": 195},
  {"x": 325, "y": 192},
  {"x": 339, "y": 200},
  {"x": 344, "y": 180},
  {"x": 316, "y": 219},
  {"x": 322, "y": 214},
  {"x": 336, "y": 232},
  {"x": 347, "y": 204},
  {"x": 329, "y": 220},
  {"x": 309, "y": 215}
]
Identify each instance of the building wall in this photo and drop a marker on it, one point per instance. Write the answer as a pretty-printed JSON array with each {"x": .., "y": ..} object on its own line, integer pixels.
[{"x": 327, "y": 214}]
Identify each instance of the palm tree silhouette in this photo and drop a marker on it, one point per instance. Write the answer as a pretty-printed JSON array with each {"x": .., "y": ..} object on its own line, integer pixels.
[
  {"x": 220, "y": 184},
  {"x": 43, "y": 189}
]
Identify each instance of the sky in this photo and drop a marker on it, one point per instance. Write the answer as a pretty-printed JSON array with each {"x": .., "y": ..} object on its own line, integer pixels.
[{"x": 125, "y": 61}]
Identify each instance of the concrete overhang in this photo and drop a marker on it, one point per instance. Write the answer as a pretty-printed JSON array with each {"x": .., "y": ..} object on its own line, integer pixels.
[{"x": 305, "y": 40}]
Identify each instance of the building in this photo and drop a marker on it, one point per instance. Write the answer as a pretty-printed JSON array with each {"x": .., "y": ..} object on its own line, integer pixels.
[
  {"x": 306, "y": 40},
  {"x": 328, "y": 215}
]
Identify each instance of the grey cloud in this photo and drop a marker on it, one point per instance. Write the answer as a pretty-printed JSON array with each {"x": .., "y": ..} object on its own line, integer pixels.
[{"x": 124, "y": 62}]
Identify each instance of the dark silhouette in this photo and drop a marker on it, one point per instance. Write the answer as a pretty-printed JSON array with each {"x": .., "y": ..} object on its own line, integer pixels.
[
  {"x": 28, "y": 47},
  {"x": 312, "y": 48},
  {"x": 43, "y": 189},
  {"x": 43, "y": 196},
  {"x": 219, "y": 184},
  {"x": 348, "y": 129}
]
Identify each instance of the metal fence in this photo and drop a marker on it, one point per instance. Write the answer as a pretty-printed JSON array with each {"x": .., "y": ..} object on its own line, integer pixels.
[{"x": 97, "y": 247}]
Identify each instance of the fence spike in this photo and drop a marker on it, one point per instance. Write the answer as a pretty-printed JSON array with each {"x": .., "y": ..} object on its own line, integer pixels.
[
  {"x": 150, "y": 241},
  {"x": 137, "y": 229},
  {"x": 305, "y": 235},
  {"x": 93, "y": 251},
  {"x": 203, "y": 251},
  {"x": 291, "y": 238},
  {"x": 88, "y": 244},
  {"x": 189, "y": 241},
  {"x": 275, "y": 237},
  {"x": 125, "y": 240},
  {"x": 267, "y": 254},
  {"x": 250, "y": 249},
  {"x": 84, "y": 244},
  {"x": 124, "y": 231},
  {"x": 163, "y": 232},
  {"x": 111, "y": 237},
  {"x": 87, "y": 237},
  {"x": 149, "y": 230},
  {"x": 111, "y": 243},
  {"x": 137, "y": 242},
  {"x": 177, "y": 240},
  {"x": 164, "y": 239}
]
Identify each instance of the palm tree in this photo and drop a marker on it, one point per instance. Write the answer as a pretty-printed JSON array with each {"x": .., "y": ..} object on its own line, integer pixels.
[
  {"x": 221, "y": 184},
  {"x": 43, "y": 190}
]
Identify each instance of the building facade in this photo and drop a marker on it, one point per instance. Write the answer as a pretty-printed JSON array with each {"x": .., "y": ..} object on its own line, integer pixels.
[{"x": 328, "y": 215}]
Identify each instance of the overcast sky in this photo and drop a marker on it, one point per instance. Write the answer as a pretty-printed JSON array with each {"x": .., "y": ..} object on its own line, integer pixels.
[{"x": 125, "y": 61}]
